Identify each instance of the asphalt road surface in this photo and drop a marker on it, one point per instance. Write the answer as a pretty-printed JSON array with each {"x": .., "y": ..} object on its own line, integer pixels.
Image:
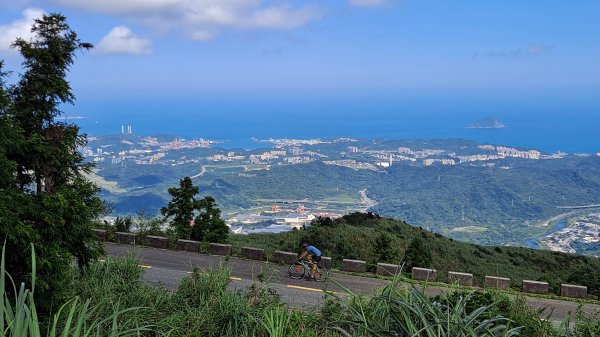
[{"x": 167, "y": 267}]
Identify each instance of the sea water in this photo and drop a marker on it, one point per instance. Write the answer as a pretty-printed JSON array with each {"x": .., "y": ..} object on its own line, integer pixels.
[{"x": 568, "y": 128}]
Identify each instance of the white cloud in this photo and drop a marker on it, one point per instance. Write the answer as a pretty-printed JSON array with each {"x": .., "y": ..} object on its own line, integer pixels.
[
  {"x": 368, "y": 3},
  {"x": 202, "y": 35},
  {"x": 121, "y": 40},
  {"x": 204, "y": 19},
  {"x": 282, "y": 17},
  {"x": 122, "y": 6},
  {"x": 18, "y": 28}
]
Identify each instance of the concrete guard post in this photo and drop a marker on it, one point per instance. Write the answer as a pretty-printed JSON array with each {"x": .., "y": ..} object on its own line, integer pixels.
[
  {"x": 253, "y": 253},
  {"x": 325, "y": 262},
  {"x": 571, "y": 290},
  {"x": 157, "y": 241},
  {"x": 497, "y": 282},
  {"x": 284, "y": 257},
  {"x": 219, "y": 249},
  {"x": 100, "y": 234},
  {"x": 387, "y": 269},
  {"x": 464, "y": 279},
  {"x": 125, "y": 238},
  {"x": 188, "y": 245},
  {"x": 356, "y": 266},
  {"x": 423, "y": 274},
  {"x": 535, "y": 287}
]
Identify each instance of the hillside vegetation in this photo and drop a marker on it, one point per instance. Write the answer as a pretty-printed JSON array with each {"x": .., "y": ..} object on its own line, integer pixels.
[
  {"x": 376, "y": 239},
  {"x": 485, "y": 205}
]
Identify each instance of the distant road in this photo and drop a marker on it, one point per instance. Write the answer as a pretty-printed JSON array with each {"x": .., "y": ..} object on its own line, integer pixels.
[
  {"x": 201, "y": 172},
  {"x": 366, "y": 200},
  {"x": 167, "y": 268},
  {"x": 578, "y": 207}
]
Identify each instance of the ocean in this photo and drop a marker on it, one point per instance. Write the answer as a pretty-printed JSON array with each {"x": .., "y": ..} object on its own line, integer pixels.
[{"x": 554, "y": 128}]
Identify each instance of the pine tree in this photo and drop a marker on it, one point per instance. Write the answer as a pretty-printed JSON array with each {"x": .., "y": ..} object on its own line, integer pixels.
[
  {"x": 198, "y": 219},
  {"x": 183, "y": 207},
  {"x": 384, "y": 248},
  {"x": 46, "y": 197},
  {"x": 209, "y": 226},
  {"x": 418, "y": 254}
]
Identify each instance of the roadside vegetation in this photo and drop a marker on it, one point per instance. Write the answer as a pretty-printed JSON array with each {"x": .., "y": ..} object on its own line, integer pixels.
[
  {"x": 110, "y": 299},
  {"x": 369, "y": 237},
  {"x": 374, "y": 239}
]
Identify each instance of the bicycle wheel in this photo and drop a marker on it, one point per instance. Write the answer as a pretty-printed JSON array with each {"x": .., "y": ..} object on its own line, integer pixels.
[
  {"x": 321, "y": 274},
  {"x": 296, "y": 271}
]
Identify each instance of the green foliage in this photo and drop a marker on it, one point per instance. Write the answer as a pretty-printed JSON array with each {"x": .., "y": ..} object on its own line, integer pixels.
[
  {"x": 19, "y": 315},
  {"x": 401, "y": 311},
  {"x": 361, "y": 242},
  {"x": 201, "y": 306},
  {"x": 322, "y": 222},
  {"x": 208, "y": 225},
  {"x": 417, "y": 254},
  {"x": 198, "y": 219},
  {"x": 120, "y": 304},
  {"x": 123, "y": 224},
  {"x": 384, "y": 248},
  {"x": 182, "y": 207},
  {"x": 45, "y": 197}
]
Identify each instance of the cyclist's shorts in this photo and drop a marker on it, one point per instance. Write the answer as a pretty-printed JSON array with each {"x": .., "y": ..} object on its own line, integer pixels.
[{"x": 316, "y": 258}]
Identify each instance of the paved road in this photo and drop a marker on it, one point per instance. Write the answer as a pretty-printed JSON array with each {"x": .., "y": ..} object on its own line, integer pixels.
[{"x": 167, "y": 268}]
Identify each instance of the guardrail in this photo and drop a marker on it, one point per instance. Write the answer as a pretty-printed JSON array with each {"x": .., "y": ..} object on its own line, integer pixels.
[{"x": 348, "y": 265}]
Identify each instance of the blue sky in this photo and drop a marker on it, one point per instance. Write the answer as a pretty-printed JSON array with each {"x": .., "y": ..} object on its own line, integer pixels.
[{"x": 541, "y": 50}]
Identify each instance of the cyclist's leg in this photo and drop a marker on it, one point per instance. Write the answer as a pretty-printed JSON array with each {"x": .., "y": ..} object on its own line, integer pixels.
[{"x": 314, "y": 268}]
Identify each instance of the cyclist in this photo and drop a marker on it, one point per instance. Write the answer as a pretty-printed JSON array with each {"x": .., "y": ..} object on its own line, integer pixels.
[{"x": 313, "y": 255}]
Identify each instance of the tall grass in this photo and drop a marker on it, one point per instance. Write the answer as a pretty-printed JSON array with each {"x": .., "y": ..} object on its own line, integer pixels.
[
  {"x": 19, "y": 318},
  {"x": 400, "y": 310},
  {"x": 203, "y": 305},
  {"x": 118, "y": 303}
]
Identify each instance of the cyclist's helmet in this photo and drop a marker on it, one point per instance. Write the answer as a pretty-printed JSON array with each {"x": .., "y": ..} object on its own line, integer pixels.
[{"x": 305, "y": 245}]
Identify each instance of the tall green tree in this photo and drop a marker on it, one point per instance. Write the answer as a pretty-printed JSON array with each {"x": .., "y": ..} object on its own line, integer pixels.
[
  {"x": 208, "y": 225},
  {"x": 418, "y": 254},
  {"x": 183, "y": 207},
  {"x": 384, "y": 248},
  {"x": 50, "y": 201},
  {"x": 193, "y": 218}
]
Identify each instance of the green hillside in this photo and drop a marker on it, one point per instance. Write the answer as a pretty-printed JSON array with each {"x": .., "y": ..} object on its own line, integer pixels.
[{"x": 376, "y": 239}]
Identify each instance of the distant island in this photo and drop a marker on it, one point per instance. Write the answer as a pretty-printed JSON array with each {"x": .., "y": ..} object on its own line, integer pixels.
[{"x": 488, "y": 123}]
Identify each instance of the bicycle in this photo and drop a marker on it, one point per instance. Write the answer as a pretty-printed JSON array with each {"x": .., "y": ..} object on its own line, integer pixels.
[{"x": 301, "y": 267}]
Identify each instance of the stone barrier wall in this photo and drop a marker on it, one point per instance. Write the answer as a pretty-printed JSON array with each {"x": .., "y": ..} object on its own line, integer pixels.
[
  {"x": 325, "y": 262},
  {"x": 253, "y": 253},
  {"x": 219, "y": 249},
  {"x": 284, "y": 257},
  {"x": 464, "y": 279},
  {"x": 188, "y": 245},
  {"x": 157, "y": 241},
  {"x": 571, "y": 290},
  {"x": 125, "y": 238},
  {"x": 423, "y": 274},
  {"x": 387, "y": 269},
  {"x": 100, "y": 234},
  {"x": 535, "y": 287},
  {"x": 497, "y": 282},
  {"x": 356, "y": 266}
]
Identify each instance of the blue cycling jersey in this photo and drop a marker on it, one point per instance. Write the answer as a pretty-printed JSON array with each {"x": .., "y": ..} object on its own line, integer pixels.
[{"x": 313, "y": 250}]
